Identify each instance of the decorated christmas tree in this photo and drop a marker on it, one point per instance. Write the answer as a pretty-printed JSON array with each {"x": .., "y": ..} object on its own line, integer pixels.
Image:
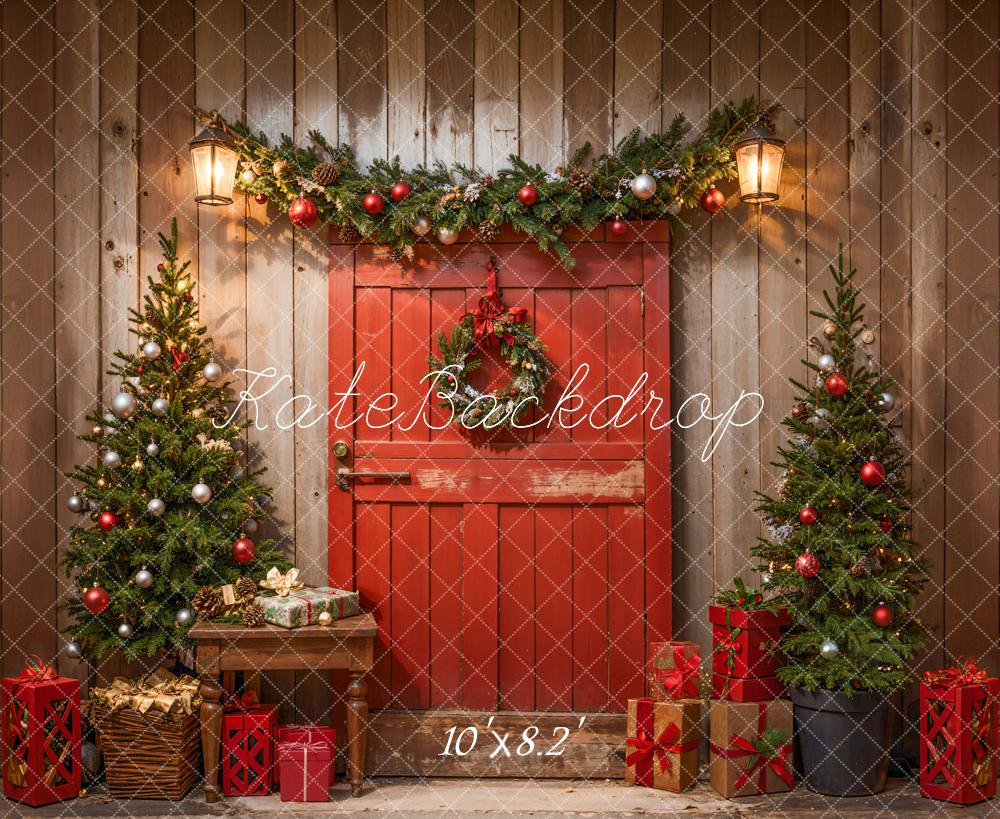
[
  {"x": 838, "y": 554},
  {"x": 171, "y": 503}
]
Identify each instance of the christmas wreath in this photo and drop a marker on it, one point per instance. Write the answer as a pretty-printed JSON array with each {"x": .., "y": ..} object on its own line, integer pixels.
[{"x": 491, "y": 324}]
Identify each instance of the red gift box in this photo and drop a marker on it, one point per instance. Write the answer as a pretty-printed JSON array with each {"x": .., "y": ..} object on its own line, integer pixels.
[
  {"x": 307, "y": 733},
  {"x": 674, "y": 670},
  {"x": 248, "y": 746},
  {"x": 41, "y": 736},
  {"x": 743, "y": 641},
  {"x": 305, "y": 771},
  {"x": 737, "y": 689},
  {"x": 958, "y": 734}
]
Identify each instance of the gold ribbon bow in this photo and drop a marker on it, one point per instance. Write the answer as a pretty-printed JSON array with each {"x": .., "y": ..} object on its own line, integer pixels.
[
  {"x": 160, "y": 691},
  {"x": 282, "y": 584}
]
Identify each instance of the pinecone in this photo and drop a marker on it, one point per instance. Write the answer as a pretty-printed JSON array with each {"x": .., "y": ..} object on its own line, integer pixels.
[
  {"x": 580, "y": 180},
  {"x": 246, "y": 587},
  {"x": 487, "y": 231},
  {"x": 207, "y": 602},
  {"x": 253, "y": 616},
  {"x": 396, "y": 254},
  {"x": 326, "y": 173},
  {"x": 866, "y": 565},
  {"x": 350, "y": 234}
]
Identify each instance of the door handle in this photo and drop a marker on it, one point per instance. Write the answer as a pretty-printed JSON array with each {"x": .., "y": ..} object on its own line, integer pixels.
[{"x": 344, "y": 474}]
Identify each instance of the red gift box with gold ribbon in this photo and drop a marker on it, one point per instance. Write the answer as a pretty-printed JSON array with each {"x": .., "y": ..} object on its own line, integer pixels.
[
  {"x": 248, "y": 730},
  {"x": 750, "y": 747},
  {"x": 958, "y": 734},
  {"x": 662, "y": 745}
]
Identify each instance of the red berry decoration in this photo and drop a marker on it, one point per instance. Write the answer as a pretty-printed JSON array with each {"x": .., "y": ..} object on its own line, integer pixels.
[
  {"x": 374, "y": 204},
  {"x": 244, "y": 550},
  {"x": 400, "y": 191},
  {"x": 807, "y": 515},
  {"x": 487, "y": 181},
  {"x": 303, "y": 212},
  {"x": 107, "y": 521},
  {"x": 882, "y": 616},
  {"x": 712, "y": 200},
  {"x": 96, "y": 599},
  {"x": 836, "y": 384},
  {"x": 886, "y": 525},
  {"x": 528, "y": 195},
  {"x": 618, "y": 227},
  {"x": 260, "y": 199},
  {"x": 872, "y": 473},
  {"x": 807, "y": 565}
]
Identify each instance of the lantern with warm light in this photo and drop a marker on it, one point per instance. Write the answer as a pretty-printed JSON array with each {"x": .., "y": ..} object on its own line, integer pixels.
[
  {"x": 214, "y": 157},
  {"x": 759, "y": 155}
]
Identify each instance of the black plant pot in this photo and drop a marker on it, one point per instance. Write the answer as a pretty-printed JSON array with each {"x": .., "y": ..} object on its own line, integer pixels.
[{"x": 842, "y": 743}]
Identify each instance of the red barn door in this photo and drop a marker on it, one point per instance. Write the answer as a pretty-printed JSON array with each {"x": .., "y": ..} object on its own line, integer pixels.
[{"x": 517, "y": 571}]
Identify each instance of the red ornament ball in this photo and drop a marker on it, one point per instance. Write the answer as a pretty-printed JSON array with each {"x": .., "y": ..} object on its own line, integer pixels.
[
  {"x": 96, "y": 599},
  {"x": 400, "y": 191},
  {"x": 161, "y": 267},
  {"x": 528, "y": 195},
  {"x": 807, "y": 515},
  {"x": 618, "y": 227},
  {"x": 807, "y": 565},
  {"x": 260, "y": 199},
  {"x": 303, "y": 212},
  {"x": 836, "y": 384},
  {"x": 107, "y": 520},
  {"x": 886, "y": 525},
  {"x": 712, "y": 200},
  {"x": 374, "y": 204},
  {"x": 882, "y": 616},
  {"x": 244, "y": 550},
  {"x": 872, "y": 473}
]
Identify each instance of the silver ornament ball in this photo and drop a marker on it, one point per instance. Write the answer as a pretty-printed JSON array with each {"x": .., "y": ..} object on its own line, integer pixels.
[
  {"x": 73, "y": 650},
  {"x": 111, "y": 459},
  {"x": 201, "y": 492},
  {"x": 248, "y": 177},
  {"x": 160, "y": 407},
  {"x": 156, "y": 507},
  {"x": 447, "y": 236},
  {"x": 644, "y": 186},
  {"x": 766, "y": 579},
  {"x": 422, "y": 226},
  {"x": 886, "y": 401},
  {"x": 123, "y": 405},
  {"x": 250, "y": 526},
  {"x": 212, "y": 372},
  {"x": 109, "y": 418},
  {"x": 235, "y": 472},
  {"x": 124, "y": 630},
  {"x": 264, "y": 499},
  {"x": 75, "y": 504},
  {"x": 829, "y": 649},
  {"x": 144, "y": 578},
  {"x": 151, "y": 349},
  {"x": 152, "y": 449},
  {"x": 185, "y": 617},
  {"x": 827, "y": 362}
]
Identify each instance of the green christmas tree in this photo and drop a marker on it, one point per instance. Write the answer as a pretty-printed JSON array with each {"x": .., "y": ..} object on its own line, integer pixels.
[
  {"x": 169, "y": 493},
  {"x": 838, "y": 555}
]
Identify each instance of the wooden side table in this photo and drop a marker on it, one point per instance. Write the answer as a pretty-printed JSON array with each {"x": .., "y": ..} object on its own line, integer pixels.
[{"x": 222, "y": 648}]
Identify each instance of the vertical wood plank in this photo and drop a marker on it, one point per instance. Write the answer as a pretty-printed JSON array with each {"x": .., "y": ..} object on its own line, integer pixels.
[
  {"x": 361, "y": 78},
  {"x": 411, "y": 311},
  {"x": 479, "y": 605},
  {"x": 971, "y": 464},
  {"x": 27, "y": 309},
  {"x": 638, "y": 100},
  {"x": 447, "y": 309},
  {"x": 373, "y": 539},
  {"x": 626, "y": 605},
  {"x": 409, "y": 601},
  {"x": 374, "y": 351},
  {"x": 590, "y": 608},
  {"x": 590, "y": 349},
  {"x": 625, "y": 362},
  {"x": 495, "y": 86},
  {"x": 447, "y": 669},
  {"x": 541, "y": 82},
  {"x": 553, "y": 322},
  {"x": 929, "y": 273},
  {"x": 77, "y": 259},
  {"x": 553, "y": 608},
  {"x": 517, "y": 608},
  {"x": 589, "y": 73},
  {"x": 405, "y": 83},
  {"x": 450, "y": 72}
]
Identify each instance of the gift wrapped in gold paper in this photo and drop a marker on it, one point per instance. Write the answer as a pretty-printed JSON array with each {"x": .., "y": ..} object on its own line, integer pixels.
[{"x": 160, "y": 691}]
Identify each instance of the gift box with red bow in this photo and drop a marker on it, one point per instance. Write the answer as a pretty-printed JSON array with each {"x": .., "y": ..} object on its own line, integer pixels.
[
  {"x": 662, "y": 745},
  {"x": 309, "y": 734},
  {"x": 248, "y": 730},
  {"x": 958, "y": 734},
  {"x": 743, "y": 641},
  {"x": 674, "y": 670},
  {"x": 750, "y": 747},
  {"x": 306, "y": 769},
  {"x": 41, "y": 735}
]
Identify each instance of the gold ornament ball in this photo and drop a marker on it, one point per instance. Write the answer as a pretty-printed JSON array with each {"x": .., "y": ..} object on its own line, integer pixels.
[
  {"x": 829, "y": 329},
  {"x": 447, "y": 236},
  {"x": 867, "y": 336},
  {"x": 97, "y": 429},
  {"x": 281, "y": 167},
  {"x": 325, "y": 618}
]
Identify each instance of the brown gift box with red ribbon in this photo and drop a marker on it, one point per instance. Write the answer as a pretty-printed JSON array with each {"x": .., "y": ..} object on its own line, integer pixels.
[
  {"x": 674, "y": 670},
  {"x": 750, "y": 747},
  {"x": 662, "y": 745}
]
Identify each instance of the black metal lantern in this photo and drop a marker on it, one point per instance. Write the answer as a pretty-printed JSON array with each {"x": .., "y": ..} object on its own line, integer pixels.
[
  {"x": 213, "y": 154},
  {"x": 759, "y": 156}
]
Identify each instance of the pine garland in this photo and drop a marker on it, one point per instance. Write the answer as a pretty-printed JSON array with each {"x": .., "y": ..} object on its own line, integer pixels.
[{"x": 460, "y": 197}]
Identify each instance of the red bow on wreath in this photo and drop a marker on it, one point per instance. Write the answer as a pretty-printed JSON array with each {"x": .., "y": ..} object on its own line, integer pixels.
[
  {"x": 682, "y": 679},
  {"x": 179, "y": 357},
  {"x": 491, "y": 310}
]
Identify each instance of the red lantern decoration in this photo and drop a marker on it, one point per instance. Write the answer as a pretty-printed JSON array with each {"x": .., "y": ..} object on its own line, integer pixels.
[
  {"x": 243, "y": 550},
  {"x": 807, "y": 515},
  {"x": 96, "y": 599},
  {"x": 807, "y": 565},
  {"x": 400, "y": 191},
  {"x": 303, "y": 212},
  {"x": 836, "y": 384},
  {"x": 618, "y": 227},
  {"x": 374, "y": 204},
  {"x": 872, "y": 473},
  {"x": 886, "y": 525},
  {"x": 882, "y": 616},
  {"x": 712, "y": 200},
  {"x": 107, "y": 520},
  {"x": 528, "y": 195},
  {"x": 260, "y": 199}
]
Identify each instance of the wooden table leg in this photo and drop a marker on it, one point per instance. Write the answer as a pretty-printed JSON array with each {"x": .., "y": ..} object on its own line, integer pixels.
[
  {"x": 211, "y": 735},
  {"x": 357, "y": 729}
]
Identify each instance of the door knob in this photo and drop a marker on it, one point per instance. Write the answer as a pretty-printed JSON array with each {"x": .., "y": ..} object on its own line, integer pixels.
[{"x": 340, "y": 450}]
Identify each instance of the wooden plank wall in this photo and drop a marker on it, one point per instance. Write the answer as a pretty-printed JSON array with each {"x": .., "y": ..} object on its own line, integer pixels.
[{"x": 890, "y": 111}]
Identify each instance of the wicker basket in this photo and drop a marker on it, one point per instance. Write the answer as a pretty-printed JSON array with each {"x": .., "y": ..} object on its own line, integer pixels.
[{"x": 149, "y": 756}]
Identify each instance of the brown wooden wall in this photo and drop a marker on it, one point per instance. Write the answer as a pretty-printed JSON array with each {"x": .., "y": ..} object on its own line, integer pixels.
[{"x": 891, "y": 114}]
